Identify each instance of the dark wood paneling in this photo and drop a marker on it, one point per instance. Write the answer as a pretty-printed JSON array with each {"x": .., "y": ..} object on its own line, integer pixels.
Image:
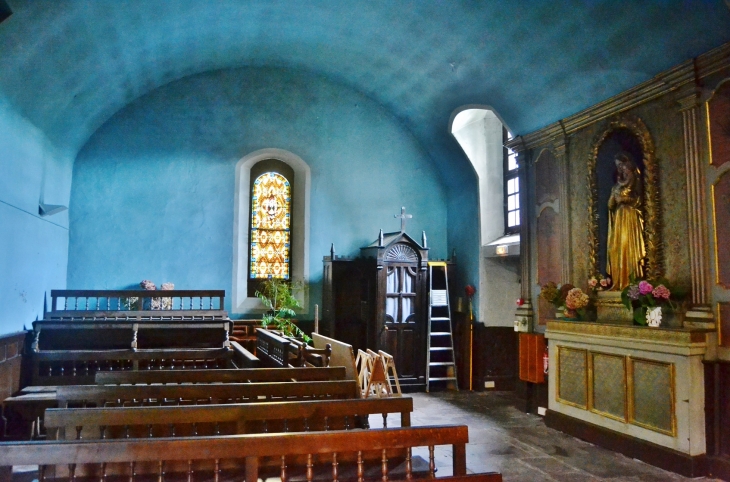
[
  {"x": 11, "y": 355},
  {"x": 717, "y": 418},
  {"x": 495, "y": 357}
]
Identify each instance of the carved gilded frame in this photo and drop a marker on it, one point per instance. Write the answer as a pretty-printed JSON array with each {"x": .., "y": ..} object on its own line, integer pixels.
[{"x": 652, "y": 203}]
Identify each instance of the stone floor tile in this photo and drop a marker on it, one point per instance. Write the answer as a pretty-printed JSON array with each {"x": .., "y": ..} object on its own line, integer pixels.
[{"x": 520, "y": 446}]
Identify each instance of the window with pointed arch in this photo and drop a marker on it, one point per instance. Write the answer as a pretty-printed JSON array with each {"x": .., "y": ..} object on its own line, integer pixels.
[{"x": 270, "y": 227}]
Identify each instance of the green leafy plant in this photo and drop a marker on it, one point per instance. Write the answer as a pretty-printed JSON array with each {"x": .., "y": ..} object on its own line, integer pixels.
[{"x": 276, "y": 295}]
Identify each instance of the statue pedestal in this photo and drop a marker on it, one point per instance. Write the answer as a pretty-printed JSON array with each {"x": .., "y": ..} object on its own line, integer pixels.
[
  {"x": 610, "y": 309},
  {"x": 643, "y": 383}
]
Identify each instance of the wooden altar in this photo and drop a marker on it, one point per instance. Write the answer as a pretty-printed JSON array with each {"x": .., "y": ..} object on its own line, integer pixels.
[{"x": 641, "y": 387}]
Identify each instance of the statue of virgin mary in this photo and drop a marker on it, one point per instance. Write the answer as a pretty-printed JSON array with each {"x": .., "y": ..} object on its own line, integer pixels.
[{"x": 625, "y": 244}]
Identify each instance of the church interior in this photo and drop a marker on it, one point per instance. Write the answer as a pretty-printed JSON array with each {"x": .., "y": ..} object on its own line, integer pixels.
[{"x": 501, "y": 205}]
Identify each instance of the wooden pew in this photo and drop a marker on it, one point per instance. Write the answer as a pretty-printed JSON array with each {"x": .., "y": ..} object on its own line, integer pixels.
[
  {"x": 221, "y": 376},
  {"x": 79, "y": 367},
  {"x": 286, "y": 455},
  {"x": 188, "y": 420},
  {"x": 275, "y": 351},
  {"x": 100, "y": 395}
]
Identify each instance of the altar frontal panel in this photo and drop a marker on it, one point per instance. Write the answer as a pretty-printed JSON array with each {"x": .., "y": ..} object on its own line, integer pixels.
[{"x": 630, "y": 390}]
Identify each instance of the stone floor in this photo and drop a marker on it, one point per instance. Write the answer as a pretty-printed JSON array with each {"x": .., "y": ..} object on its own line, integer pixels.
[{"x": 519, "y": 445}]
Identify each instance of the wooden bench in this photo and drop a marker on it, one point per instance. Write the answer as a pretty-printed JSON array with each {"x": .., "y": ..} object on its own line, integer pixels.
[
  {"x": 101, "y": 395},
  {"x": 79, "y": 367},
  {"x": 221, "y": 376},
  {"x": 335, "y": 455},
  {"x": 190, "y": 420}
]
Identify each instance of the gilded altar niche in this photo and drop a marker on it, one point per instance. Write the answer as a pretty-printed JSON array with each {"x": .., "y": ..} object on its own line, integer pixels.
[{"x": 624, "y": 208}]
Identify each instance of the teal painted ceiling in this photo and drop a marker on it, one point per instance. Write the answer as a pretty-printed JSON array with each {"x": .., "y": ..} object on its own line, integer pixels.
[{"x": 68, "y": 65}]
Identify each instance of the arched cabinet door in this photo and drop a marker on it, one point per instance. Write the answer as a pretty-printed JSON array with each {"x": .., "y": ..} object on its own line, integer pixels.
[{"x": 403, "y": 323}]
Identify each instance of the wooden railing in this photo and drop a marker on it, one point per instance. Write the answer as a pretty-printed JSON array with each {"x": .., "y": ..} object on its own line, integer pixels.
[
  {"x": 116, "y": 304},
  {"x": 345, "y": 454}
]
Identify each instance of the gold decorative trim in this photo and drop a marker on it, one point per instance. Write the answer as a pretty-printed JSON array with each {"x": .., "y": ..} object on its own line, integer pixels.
[
  {"x": 709, "y": 133},
  {"x": 718, "y": 282},
  {"x": 652, "y": 206},
  {"x": 557, "y": 378},
  {"x": 666, "y": 335},
  {"x": 719, "y": 322},
  {"x": 591, "y": 407},
  {"x": 630, "y": 395}
]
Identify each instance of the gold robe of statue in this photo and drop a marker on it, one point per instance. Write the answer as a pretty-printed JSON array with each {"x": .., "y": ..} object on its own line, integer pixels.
[{"x": 625, "y": 246}]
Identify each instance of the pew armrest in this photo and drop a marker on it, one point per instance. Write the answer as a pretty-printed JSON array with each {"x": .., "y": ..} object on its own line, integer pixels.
[{"x": 242, "y": 357}]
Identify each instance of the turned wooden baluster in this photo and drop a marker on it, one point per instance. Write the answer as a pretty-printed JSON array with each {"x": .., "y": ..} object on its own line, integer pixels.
[
  {"x": 78, "y": 432},
  {"x": 385, "y": 420},
  {"x": 217, "y": 474},
  {"x": 72, "y": 472},
  {"x": 310, "y": 471},
  {"x": 160, "y": 471},
  {"x": 384, "y": 466},
  {"x": 431, "y": 462},
  {"x": 103, "y": 472},
  {"x": 132, "y": 475},
  {"x": 102, "y": 429},
  {"x": 360, "y": 467},
  {"x": 334, "y": 467},
  {"x": 282, "y": 475},
  {"x": 409, "y": 465},
  {"x": 347, "y": 422},
  {"x": 190, "y": 471}
]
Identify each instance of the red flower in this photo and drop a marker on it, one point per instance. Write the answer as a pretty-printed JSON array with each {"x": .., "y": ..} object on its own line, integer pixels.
[{"x": 469, "y": 290}]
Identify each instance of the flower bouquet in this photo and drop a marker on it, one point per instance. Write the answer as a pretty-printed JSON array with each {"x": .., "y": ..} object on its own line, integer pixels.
[
  {"x": 567, "y": 298},
  {"x": 647, "y": 299}
]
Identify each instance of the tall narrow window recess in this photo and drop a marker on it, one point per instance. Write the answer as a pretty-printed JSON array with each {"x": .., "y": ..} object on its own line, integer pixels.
[
  {"x": 511, "y": 190},
  {"x": 270, "y": 227}
]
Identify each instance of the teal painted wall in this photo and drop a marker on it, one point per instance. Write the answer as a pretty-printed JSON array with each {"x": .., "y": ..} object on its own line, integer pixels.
[
  {"x": 33, "y": 250},
  {"x": 153, "y": 188}
]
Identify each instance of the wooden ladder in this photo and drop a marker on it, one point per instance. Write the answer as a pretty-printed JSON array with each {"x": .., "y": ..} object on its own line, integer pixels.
[{"x": 441, "y": 362}]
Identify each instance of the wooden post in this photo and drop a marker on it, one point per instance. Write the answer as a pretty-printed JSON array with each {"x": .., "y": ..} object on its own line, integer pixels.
[{"x": 316, "y": 318}]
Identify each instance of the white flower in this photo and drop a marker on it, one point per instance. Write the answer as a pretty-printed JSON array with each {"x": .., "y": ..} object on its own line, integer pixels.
[{"x": 654, "y": 316}]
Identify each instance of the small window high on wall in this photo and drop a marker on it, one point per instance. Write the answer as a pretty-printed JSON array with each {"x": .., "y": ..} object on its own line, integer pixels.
[{"x": 511, "y": 190}]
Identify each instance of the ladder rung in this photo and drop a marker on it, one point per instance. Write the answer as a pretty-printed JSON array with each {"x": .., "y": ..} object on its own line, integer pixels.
[
  {"x": 439, "y": 318},
  {"x": 441, "y": 348},
  {"x": 441, "y": 364},
  {"x": 438, "y": 379},
  {"x": 440, "y": 333}
]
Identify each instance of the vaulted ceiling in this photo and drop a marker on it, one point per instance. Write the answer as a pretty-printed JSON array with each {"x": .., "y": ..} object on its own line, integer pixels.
[{"x": 68, "y": 65}]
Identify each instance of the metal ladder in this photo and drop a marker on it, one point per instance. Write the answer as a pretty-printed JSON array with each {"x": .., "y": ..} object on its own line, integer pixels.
[{"x": 441, "y": 363}]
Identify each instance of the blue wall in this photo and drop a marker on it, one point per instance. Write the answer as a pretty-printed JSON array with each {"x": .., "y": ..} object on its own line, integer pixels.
[
  {"x": 33, "y": 250},
  {"x": 153, "y": 188}
]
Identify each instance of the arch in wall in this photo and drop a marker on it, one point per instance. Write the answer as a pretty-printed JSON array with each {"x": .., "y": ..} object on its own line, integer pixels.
[{"x": 241, "y": 302}]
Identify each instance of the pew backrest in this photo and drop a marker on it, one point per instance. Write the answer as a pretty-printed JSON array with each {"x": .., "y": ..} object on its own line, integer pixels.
[
  {"x": 101, "y": 395},
  {"x": 221, "y": 375},
  {"x": 275, "y": 351},
  {"x": 294, "y": 416}
]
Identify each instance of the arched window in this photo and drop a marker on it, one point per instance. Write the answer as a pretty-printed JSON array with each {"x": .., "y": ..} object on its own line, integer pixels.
[
  {"x": 270, "y": 245},
  {"x": 270, "y": 235}
]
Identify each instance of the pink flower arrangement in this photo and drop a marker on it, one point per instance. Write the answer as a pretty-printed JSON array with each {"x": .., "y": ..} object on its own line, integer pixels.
[
  {"x": 661, "y": 291},
  {"x": 599, "y": 283},
  {"x": 643, "y": 296},
  {"x": 576, "y": 299},
  {"x": 645, "y": 287}
]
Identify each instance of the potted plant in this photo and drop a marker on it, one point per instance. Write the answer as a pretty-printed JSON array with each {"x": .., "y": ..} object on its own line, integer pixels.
[
  {"x": 276, "y": 295},
  {"x": 647, "y": 298}
]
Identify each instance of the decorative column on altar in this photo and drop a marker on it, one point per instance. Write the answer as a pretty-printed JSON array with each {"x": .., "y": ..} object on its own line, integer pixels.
[{"x": 699, "y": 312}]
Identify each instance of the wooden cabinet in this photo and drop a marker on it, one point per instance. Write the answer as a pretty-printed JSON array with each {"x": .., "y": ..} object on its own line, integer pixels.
[
  {"x": 532, "y": 350},
  {"x": 379, "y": 301}
]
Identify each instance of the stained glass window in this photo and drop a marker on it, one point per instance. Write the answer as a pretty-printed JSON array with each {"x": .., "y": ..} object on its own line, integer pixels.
[{"x": 270, "y": 226}]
